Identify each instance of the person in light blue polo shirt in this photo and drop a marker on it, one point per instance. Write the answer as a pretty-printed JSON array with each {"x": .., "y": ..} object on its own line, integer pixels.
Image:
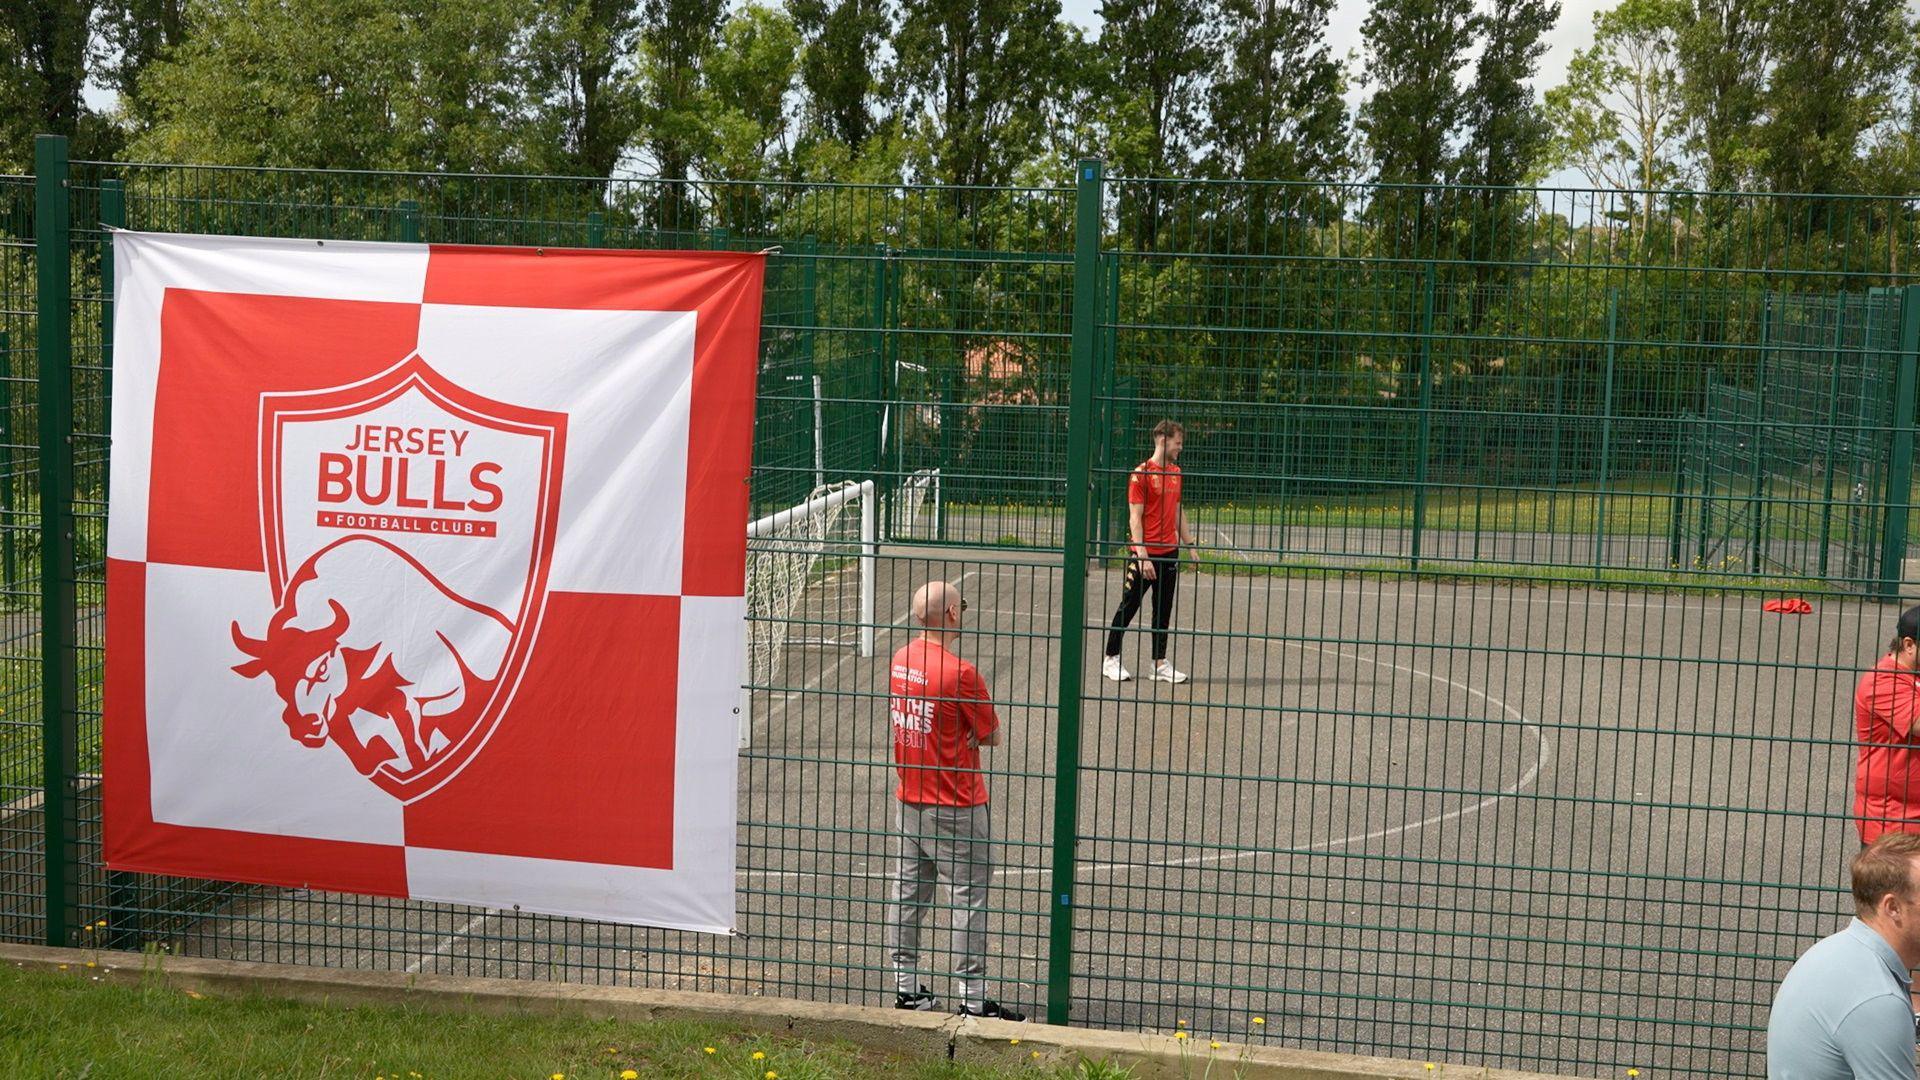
[{"x": 1845, "y": 1011}]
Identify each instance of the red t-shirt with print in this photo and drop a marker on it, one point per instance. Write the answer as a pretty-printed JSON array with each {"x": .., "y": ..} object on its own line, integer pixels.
[{"x": 940, "y": 711}]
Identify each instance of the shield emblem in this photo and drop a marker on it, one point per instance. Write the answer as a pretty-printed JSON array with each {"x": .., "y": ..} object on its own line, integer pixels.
[{"x": 408, "y": 527}]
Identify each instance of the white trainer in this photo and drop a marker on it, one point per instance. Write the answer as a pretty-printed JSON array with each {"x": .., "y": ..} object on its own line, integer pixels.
[
  {"x": 1110, "y": 667},
  {"x": 1164, "y": 671}
]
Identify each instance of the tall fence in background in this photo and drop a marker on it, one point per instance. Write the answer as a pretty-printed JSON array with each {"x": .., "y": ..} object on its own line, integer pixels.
[{"x": 1490, "y": 754}]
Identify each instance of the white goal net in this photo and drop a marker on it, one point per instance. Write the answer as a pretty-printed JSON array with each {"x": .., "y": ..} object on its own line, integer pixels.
[
  {"x": 810, "y": 576},
  {"x": 914, "y": 513}
]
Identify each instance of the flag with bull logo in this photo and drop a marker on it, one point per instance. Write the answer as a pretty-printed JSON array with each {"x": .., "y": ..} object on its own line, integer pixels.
[{"x": 425, "y": 571}]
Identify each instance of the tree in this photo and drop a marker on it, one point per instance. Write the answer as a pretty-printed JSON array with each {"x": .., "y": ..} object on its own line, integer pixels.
[
  {"x": 580, "y": 56},
  {"x": 974, "y": 78},
  {"x": 46, "y": 52},
  {"x": 750, "y": 77},
  {"x": 837, "y": 65},
  {"x": 1724, "y": 54},
  {"x": 1274, "y": 110},
  {"x": 136, "y": 33},
  {"x": 676, "y": 39},
  {"x": 368, "y": 84},
  {"x": 1838, "y": 63},
  {"x": 1506, "y": 130},
  {"x": 1413, "y": 49},
  {"x": 1620, "y": 117},
  {"x": 1156, "y": 57}
]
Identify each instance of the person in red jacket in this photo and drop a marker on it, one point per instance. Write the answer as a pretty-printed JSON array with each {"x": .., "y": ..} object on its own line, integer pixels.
[
  {"x": 1886, "y": 704},
  {"x": 941, "y": 715}
]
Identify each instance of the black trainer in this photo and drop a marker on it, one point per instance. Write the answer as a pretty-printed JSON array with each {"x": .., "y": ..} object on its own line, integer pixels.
[
  {"x": 992, "y": 1009},
  {"x": 922, "y": 1001}
]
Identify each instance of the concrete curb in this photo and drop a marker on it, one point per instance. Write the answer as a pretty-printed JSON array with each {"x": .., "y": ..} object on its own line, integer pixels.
[{"x": 907, "y": 1034}]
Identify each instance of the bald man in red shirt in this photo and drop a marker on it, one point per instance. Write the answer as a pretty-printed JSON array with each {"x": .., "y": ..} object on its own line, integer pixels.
[
  {"x": 941, "y": 716},
  {"x": 1886, "y": 704}
]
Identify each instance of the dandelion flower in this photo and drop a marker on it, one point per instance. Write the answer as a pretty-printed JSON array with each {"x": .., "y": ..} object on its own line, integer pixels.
[
  {"x": 709, "y": 1049},
  {"x": 559, "y": 1076},
  {"x": 1214, "y": 1045},
  {"x": 629, "y": 1074},
  {"x": 1260, "y": 1020},
  {"x": 1633, "y": 1072},
  {"x": 759, "y": 1055},
  {"x": 1179, "y": 1034},
  {"x": 91, "y": 964},
  {"x": 771, "y": 1075},
  {"x": 1179, "y": 1023},
  {"x": 1036, "y": 1055},
  {"x": 1429, "y": 1066},
  {"x": 1013, "y": 1042}
]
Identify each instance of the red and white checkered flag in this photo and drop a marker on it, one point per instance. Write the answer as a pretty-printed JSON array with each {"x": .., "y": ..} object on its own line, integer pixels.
[{"x": 426, "y": 569}]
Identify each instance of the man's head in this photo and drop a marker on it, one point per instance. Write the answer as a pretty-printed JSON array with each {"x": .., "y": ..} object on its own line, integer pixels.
[
  {"x": 1906, "y": 639},
  {"x": 1885, "y": 893},
  {"x": 938, "y": 605},
  {"x": 1168, "y": 438}
]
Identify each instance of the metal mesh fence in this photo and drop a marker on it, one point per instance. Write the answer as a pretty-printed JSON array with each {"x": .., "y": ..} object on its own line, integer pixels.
[{"x": 1490, "y": 753}]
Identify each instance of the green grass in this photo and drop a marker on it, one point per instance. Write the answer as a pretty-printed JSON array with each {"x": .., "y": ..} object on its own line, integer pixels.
[{"x": 68, "y": 1025}]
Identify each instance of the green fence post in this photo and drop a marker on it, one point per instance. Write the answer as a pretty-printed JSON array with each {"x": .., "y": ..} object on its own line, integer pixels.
[
  {"x": 59, "y": 618},
  {"x": 8, "y": 459},
  {"x": 882, "y": 269},
  {"x": 596, "y": 229},
  {"x": 1606, "y": 433},
  {"x": 808, "y": 316},
  {"x": 1757, "y": 480},
  {"x": 1073, "y": 588},
  {"x": 1553, "y": 448},
  {"x": 124, "y": 921},
  {"x": 1893, "y": 542},
  {"x": 1425, "y": 433},
  {"x": 1833, "y": 421},
  {"x": 409, "y": 221}
]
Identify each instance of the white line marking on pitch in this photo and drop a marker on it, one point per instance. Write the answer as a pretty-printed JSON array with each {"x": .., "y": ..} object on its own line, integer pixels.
[
  {"x": 447, "y": 943},
  {"x": 1541, "y": 757}
]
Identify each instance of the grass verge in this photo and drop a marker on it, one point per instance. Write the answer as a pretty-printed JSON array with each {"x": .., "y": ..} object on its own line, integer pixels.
[{"x": 67, "y": 1024}]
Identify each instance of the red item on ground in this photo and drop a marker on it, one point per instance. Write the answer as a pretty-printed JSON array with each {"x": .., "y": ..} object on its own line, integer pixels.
[{"x": 1790, "y": 606}]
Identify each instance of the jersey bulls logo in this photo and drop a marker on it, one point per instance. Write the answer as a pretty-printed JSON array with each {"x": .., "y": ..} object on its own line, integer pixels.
[{"x": 408, "y": 527}]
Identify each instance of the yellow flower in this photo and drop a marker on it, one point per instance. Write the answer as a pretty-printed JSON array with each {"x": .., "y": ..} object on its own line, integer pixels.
[
  {"x": 1179, "y": 1034},
  {"x": 1633, "y": 1072},
  {"x": 1215, "y": 1045},
  {"x": 1013, "y": 1042},
  {"x": 613, "y": 1049},
  {"x": 1259, "y": 1019},
  {"x": 771, "y": 1075},
  {"x": 1036, "y": 1055},
  {"x": 629, "y": 1074},
  {"x": 1429, "y": 1066},
  {"x": 710, "y": 1050},
  {"x": 759, "y": 1056},
  {"x": 559, "y": 1076},
  {"x": 92, "y": 964},
  {"x": 63, "y": 967},
  {"x": 1179, "y": 1023}
]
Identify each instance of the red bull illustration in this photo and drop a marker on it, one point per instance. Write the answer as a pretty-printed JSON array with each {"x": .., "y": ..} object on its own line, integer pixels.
[{"x": 394, "y": 693}]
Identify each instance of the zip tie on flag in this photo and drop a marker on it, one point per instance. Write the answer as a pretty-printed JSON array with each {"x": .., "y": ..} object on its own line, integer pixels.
[{"x": 774, "y": 250}]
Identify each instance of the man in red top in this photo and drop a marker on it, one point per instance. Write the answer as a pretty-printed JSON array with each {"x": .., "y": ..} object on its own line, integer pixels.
[
  {"x": 941, "y": 716},
  {"x": 1885, "y": 705},
  {"x": 1157, "y": 527}
]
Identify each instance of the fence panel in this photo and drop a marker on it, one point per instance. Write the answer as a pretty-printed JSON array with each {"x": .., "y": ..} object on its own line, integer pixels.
[
  {"x": 1473, "y": 767},
  {"x": 1490, "y": 753},
  {"x": 22, "y": 835}
]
